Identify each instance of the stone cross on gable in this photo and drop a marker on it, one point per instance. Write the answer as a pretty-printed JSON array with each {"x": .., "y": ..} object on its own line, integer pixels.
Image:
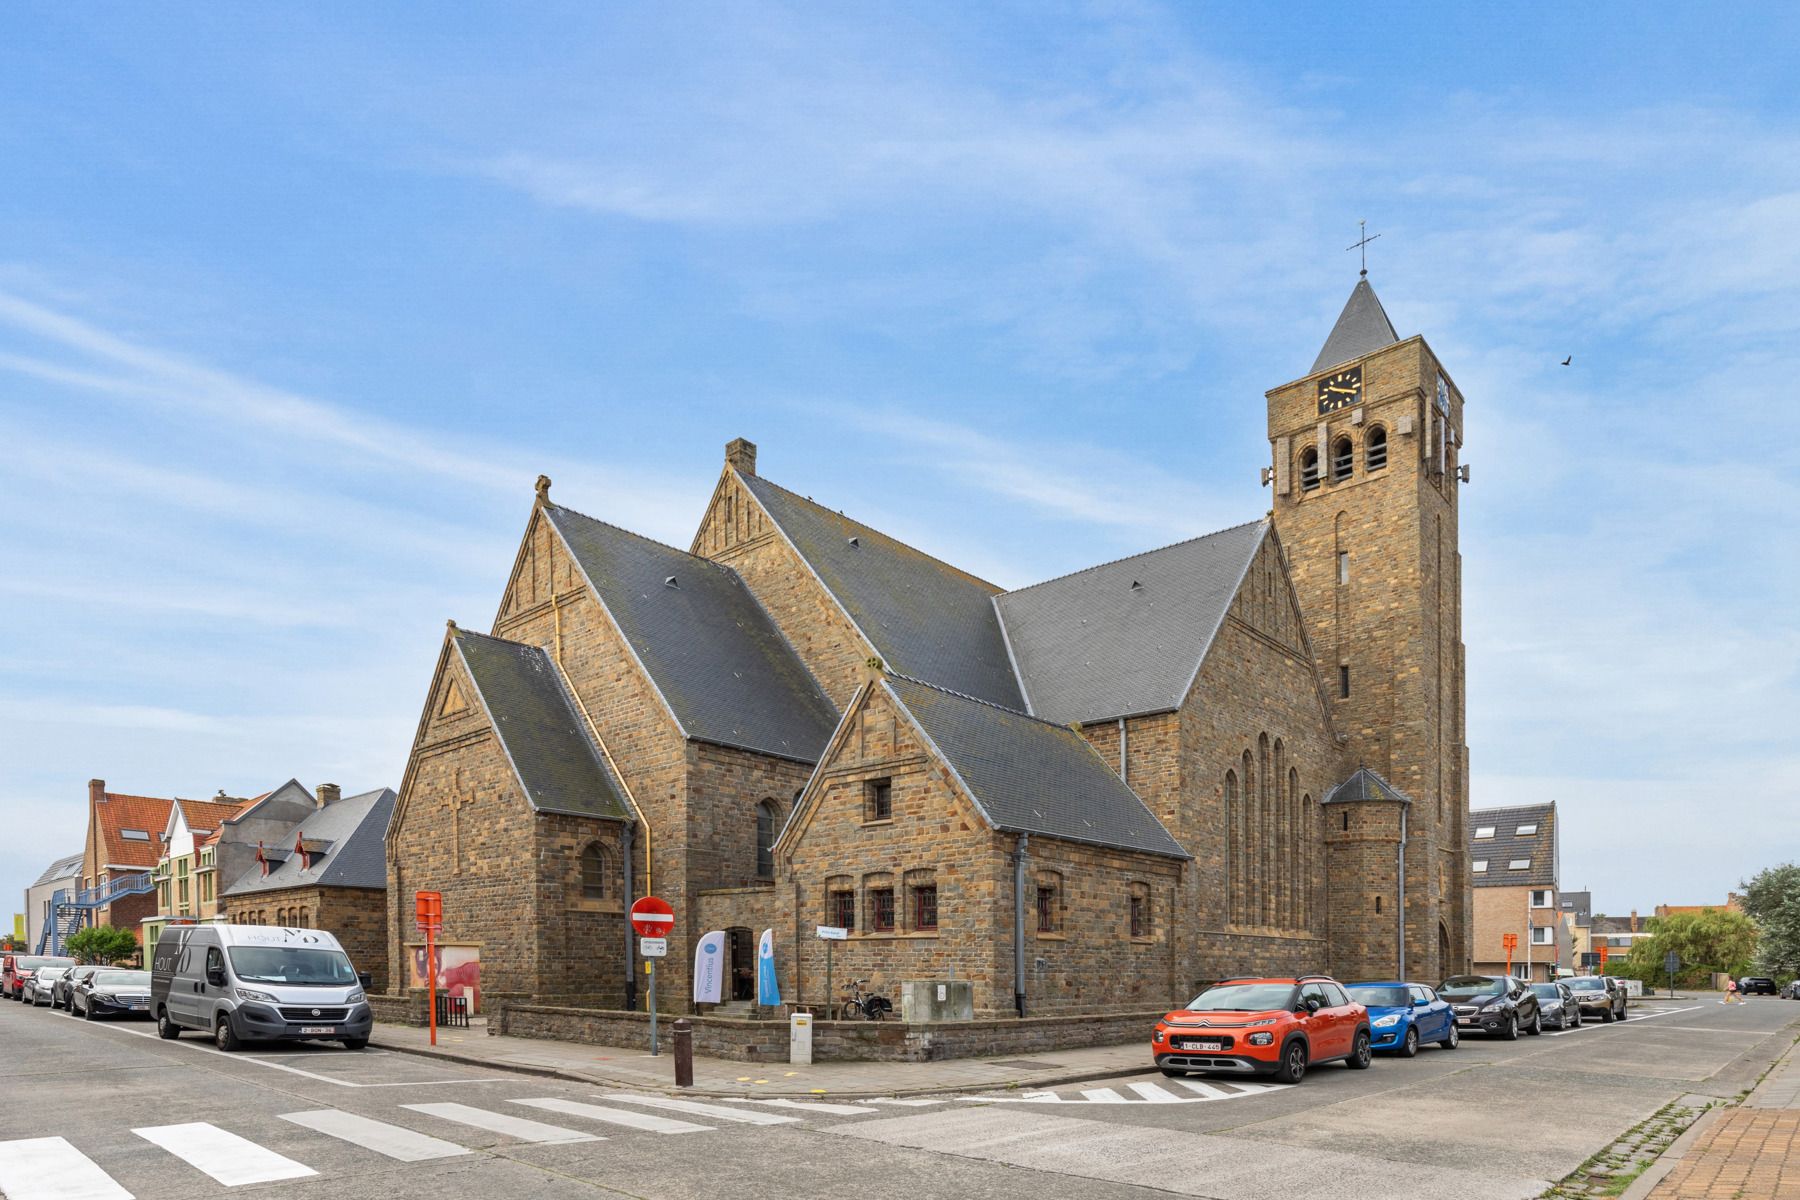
[{"x": 460, "y": 798}]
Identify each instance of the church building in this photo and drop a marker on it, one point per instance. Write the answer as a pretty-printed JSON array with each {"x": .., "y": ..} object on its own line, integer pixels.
[{"x": 1243, "y": 752}]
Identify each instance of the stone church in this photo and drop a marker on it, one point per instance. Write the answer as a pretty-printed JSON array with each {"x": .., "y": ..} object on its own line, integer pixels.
[{"x": 1243, "y": 752}]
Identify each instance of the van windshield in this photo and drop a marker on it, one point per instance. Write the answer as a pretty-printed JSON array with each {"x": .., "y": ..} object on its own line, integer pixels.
[{"x": 291, "y": 966}]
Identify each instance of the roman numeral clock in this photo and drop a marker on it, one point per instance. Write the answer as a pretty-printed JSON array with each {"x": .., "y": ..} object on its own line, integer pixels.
[{"x": 1341, "y": 389}]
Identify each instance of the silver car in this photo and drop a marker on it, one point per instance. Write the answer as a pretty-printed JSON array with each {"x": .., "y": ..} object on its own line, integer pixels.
[
  {"x": 1558, "y": 1004},
  {"x": 41, "y": 987}
]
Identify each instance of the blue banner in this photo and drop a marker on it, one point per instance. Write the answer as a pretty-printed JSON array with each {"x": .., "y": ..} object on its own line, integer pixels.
[{"x": 768, "y": 991}]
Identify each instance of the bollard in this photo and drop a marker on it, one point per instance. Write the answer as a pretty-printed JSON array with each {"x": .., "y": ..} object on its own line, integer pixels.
[{"x": 684, "y": 1053}]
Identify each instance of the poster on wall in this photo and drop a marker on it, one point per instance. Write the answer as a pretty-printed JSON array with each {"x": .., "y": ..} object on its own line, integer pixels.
[{"x": 459, "y": 971}]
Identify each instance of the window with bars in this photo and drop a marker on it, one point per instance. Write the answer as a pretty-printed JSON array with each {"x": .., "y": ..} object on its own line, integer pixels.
[
  {"x": 1375, "y": 449},
  {"x": 1343, "y": 460},
  {"x": 594, "y": 869},
  {"x": 1048, "y": 918},
  {"x": 880, "y": 800},
  {"x": 840, "y": 908},
  {"x": 881, "y": 910},
  {"x": 924, "y": 907},
  {"x": 1140, "y": 915}
]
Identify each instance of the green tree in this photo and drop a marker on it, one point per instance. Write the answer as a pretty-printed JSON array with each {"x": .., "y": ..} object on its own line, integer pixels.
[
  {"x": 1772, "y": 898},
  {"x": 1715, "y": 939},
  {"x": 103, "y": 944}
]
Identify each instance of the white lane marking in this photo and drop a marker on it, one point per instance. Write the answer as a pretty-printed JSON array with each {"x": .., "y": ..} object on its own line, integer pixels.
[
  {"x": 52, "y": 1169},
  {"x": 1103, "y": 1096},
  {"x": 228, "y": 1158},
  {"x": 1206, "y": 1091},
  {"x": 614, "y": 1116},
  {"x": 493, "y": 1122},
  {"x": 275, "y": 1066},
  {"x": 397, "y": 1143},
  {"x": 1583, "y": 1028},
  {"x": 819, "y": 1106},
  {"x": 1154, "y": 1093},
  {"x": 716, "y": 1111},
  {"x": 898, "y": 1100}
]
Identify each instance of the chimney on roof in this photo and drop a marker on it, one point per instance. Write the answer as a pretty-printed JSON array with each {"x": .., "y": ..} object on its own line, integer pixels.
[
  {"x": 1634, "y": 928},
  {"x": 96, "y": 791},
  {"x": 742, "y": 455},
  {"x": 329, "y": 793}
]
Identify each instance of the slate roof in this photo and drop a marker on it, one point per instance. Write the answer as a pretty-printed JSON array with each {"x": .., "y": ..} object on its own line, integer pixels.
[
  {"x": 925, "y": 618},
  {"x": 355, "y": 829},
  {"x": 1362, "y": 328},
  {"x": 555, "y": 761},
  {"x": 707, "y": 644},
  {"x": 1365, "y": 784},
  {"x": 62, "y": 868},
  {"x": 1125, "y": 637},
  {"x": 120, "y": 812},
  {"x": 1029, "y": 776},
  {"x": 1508, "y": 844}
]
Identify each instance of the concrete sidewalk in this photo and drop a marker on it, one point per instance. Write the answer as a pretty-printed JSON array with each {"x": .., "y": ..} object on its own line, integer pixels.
[
  {"x": 1747, "y": 1152},
  {"x": 637, "y": 1070}
]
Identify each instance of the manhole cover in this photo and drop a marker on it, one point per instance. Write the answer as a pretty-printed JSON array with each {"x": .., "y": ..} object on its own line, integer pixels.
[{"x": 1025, "y": 1064}]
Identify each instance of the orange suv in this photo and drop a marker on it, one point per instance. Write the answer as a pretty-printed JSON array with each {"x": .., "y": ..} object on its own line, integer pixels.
[{"x": 1278, "y": 1027}]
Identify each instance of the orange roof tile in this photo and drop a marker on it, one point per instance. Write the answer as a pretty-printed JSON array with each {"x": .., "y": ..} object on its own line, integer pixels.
[
  {"x": 146, "y": 814},
  {"x": 205, "y": 816}
]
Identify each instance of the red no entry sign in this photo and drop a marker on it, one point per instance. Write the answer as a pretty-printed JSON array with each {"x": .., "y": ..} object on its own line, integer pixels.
[{"x": 652, "y": 917}]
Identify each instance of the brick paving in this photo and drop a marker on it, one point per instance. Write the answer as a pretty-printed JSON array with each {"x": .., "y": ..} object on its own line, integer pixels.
[{"x": 1751, "y": 1152}]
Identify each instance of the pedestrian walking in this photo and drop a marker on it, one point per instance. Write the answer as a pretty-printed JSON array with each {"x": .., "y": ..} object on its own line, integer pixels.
[{"x": 1731, "y": 991}]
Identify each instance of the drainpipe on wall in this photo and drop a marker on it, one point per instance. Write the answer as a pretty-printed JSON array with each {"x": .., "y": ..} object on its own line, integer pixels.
[
  {"x": 1400, "y": 906},
  {"x": 630, "y": 959},
  {"x": 1019, "y": 857}
]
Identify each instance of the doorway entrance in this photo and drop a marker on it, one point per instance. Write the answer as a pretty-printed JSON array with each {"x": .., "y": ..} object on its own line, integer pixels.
[{"x": 741, "y": 947}]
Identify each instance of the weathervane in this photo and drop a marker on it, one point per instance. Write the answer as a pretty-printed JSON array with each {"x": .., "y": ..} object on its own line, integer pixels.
[{"x": 1362, "y": 244}]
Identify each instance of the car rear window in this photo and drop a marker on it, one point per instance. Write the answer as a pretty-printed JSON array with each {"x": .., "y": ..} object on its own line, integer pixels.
[
  {"x": 1588, "y": 984},
  {"x": 1381, "y": 997},
  {"x": 1243, "y": 997},
  {"x": 1467, "y": 987},
  {"x": 1546, "y": 991}
]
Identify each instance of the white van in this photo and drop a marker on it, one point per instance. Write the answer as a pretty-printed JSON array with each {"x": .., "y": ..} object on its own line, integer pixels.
[{"x": 245, "y": 983}]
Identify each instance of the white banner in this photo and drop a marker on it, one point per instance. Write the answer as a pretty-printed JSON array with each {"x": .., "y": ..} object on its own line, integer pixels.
[{"x": 709, "y": 967}]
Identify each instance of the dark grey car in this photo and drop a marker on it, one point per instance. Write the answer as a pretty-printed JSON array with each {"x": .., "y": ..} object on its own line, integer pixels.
[
  {"x": 1500, "y": 1005},
  {"x": 1599, "y": 996},
  {"x": 63, "y": 990},
  {"x": 1557, "y": 1002}
]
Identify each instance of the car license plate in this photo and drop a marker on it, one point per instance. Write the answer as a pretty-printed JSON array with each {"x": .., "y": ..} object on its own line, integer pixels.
[
  {"x": 1198, "y": 1045},
  {"x": 139, "y": 1007},
  {"x": 317, "y": 1029},
  {"x": 1465, "y": 1020}
]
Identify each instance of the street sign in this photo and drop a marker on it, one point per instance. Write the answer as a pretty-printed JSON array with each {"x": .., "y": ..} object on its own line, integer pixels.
[
  {"x": 1671, "y": 962},
  {"x": 1510, "y": 941},
  {"x": 428, "y": 911},
  {"x": 428, "y": 914},
  {"x": 652, "y": 917},
  {"x": 653, "y": 947},
  {"x": 834, "y": 933}
]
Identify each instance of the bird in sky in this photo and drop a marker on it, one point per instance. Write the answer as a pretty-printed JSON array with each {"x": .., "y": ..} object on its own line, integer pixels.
[{"x": 1568, "y": 360}]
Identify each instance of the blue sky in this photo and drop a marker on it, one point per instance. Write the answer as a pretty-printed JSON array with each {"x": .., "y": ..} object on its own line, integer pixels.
[{"x": 296, "y": 301}]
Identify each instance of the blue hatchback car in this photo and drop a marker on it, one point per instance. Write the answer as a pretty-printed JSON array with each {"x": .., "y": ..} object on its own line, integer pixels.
[{"x": 1405, "y": 1016}]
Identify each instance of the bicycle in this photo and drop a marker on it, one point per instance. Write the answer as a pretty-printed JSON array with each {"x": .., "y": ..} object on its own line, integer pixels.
[{"x": 870, "y": 1006}]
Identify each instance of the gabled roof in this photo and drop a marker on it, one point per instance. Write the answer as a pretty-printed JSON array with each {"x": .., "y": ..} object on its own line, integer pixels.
[
  {"x": 1126, "y": 637},
  {"x": 62, "y": 868},
  {"x": 1365, "y": 784},
  {"x": 925, "y": 618},
  {"x": 140, "y": 814},
  {"x": 1509, "y": 845},
  {"x": 353, "y": 828},
  {"x": 711, "y": 650},
  {"x": 1029, "y": 776},
  {"x": 204, "y": 817},
  {"x": 552, "y": 756},
  {"x": 1362, "y": 328}
]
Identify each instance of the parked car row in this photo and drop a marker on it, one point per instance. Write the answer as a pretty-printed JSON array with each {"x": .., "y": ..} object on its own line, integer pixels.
[
  {"x": 1285, "y": 1025},
  {"x": 83, "y": 990}
]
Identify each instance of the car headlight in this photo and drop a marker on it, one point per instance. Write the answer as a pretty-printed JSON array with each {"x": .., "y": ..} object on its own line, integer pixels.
[
  {"x": 1261, "y": 1039},
  {"x": 1157, "y": 1036},
  {"x": 1387, "y": 1022},
  {"x": 245, "y": 993},
  {"x": 106, "y": 998},
  {"x": 355, "y": 997}
]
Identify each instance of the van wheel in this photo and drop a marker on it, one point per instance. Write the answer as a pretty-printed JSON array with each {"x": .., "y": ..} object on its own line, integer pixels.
[
  {"x": 166, "y": 1029},
  {"x": 1293, "y": 1063},
  {"x": 223, "y": 1035},
  {"x": 355, "y": 1043}
]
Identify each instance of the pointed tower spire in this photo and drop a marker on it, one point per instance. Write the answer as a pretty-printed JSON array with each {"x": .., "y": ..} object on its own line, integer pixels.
[{"x": 1362, "y": 328}]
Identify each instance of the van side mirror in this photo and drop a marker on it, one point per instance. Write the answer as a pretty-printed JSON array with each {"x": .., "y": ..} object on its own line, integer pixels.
[{"x": 215, "y": 976}]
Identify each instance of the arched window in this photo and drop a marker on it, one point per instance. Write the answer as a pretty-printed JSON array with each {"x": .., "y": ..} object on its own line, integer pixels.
[
  {"x": 1138, "y": 902},
  {"x": 1343, "y": 460},
  {"x": 1247, "y": 846},
  {"x": 765, "y": 840},
  {"x": 1375, "y": 448},
  {"x": 1234, "y": 838},
  {"x": 1309, "y": 469},
  {"x": 304, "y": 923},
  {"x": 596, "y": 872}
]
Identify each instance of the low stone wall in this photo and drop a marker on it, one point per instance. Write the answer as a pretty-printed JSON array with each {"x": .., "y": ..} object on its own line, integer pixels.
[{"x": 833, "y": 1041}]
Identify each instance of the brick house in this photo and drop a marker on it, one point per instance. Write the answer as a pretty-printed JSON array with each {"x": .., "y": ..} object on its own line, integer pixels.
[
  {"x": 1241, "y": 752},
  {"x": 1514, "y": 860},
  {"x": 327, "y": 871}
]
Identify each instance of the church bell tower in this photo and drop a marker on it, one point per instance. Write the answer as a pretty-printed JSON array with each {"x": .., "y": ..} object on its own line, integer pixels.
[{"x": 1365, "y": 473}]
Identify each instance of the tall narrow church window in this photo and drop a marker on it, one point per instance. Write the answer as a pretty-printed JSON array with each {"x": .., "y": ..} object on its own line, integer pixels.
[
  {"x": 1344, "y": 681},
  {"x": 1049, "y": 903},
  {"x": 765, "y": 840},
  {"x": 594, "y": 871},
  {"x": 1375, "y": 449},
  {"x": 1140, "y": 910},
  {"x": 1343, "y": 566},
  {"x": 1309, "y": 469},
  {"x": 1343, "y": 460},
  {"x": 1234, "y": 838},
  {"x": 880, "y": 800}
]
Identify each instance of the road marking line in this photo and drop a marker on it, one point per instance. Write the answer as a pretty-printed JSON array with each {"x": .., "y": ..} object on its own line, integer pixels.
[
  {"x": 898, "y": 1100},
  {"x": 275, "y": 1066},
  {"x": 228, "y": 1158},
  {"x": 1667, "y": 1012},
  {"x": 1154, "y": 1093},
  {"x": 820, "y": 1106},
  {"x": 720, "y": 1112},
  {"x": 1207, "y": 1091},
  {"x": 613, "y": 1116},
  {"x": 397, "y": 1143},
  {"x": 52, "y": 1169},
  {"x": 1103, "y": 1096},
  {"x": 493, "y": 1122}
]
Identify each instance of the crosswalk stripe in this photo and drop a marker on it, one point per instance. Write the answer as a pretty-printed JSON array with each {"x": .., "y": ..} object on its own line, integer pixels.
[
  {"x": 717, "y": 1111},
  {"x": 228, "y": 1158},
  {"x": 493, "y": 1122},
  {"x": 1103, "y": 1096},
  {"x": 900, "y": 1101},
  {"x": 614, "y": 1116},
  {"x": 1154, "y": 1093},
  {"x": 403, "y": 1145},
  {"x": 1206, "y": 1090},
  {"x": 52, "y": 1169},
  {"x": 819, "y": 1106}
]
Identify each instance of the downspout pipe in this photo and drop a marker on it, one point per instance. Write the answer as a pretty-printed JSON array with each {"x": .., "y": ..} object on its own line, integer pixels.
[
  {"x": 1400, "y": 905},
  {"x": 1019, "y": 857}
]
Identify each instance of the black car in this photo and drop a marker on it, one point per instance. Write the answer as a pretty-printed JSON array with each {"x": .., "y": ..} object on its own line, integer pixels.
[
  {"x": 112, "y": 993},
  {"x": 63, "y": 990},
  {"x": 1792, "y": 990},
  {"x": 1498, "y": 1005},
  {"x": 1756, "y": 985},
  {"x": 1558, "y": 1005},
  {"x": 1599, "y": 996}
]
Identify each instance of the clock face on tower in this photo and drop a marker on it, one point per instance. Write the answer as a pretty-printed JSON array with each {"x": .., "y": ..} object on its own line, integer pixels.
[{"x": 1341, "y": 389}]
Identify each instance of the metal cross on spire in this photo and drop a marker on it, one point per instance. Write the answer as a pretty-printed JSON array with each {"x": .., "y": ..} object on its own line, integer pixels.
[{"x": 1362, "y": 244}]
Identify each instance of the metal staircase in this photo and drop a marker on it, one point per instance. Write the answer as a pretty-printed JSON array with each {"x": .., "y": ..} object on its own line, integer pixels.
[{"x": 73, "y": 911}]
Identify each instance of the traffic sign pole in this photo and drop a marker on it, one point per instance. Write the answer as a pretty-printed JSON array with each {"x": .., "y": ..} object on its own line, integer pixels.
[
  {"x": 652, "y": 918},
  {"x": 650, "y": 966}
]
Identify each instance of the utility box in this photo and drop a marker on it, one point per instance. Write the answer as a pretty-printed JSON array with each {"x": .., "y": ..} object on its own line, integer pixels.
[
  {"x": 800, "y": 1039},
  {"x": 932, "y": 1000}
]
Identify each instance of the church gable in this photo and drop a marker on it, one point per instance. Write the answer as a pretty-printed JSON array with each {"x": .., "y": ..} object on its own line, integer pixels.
[
  {"x": 734, "y": 524},
  {"x": 542, "y": 568},
  {"x": 1266, "y": 603}
]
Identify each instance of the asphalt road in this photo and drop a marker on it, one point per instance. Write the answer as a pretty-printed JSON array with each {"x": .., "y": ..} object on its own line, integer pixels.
[{"x": 104, "y": 1111}]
